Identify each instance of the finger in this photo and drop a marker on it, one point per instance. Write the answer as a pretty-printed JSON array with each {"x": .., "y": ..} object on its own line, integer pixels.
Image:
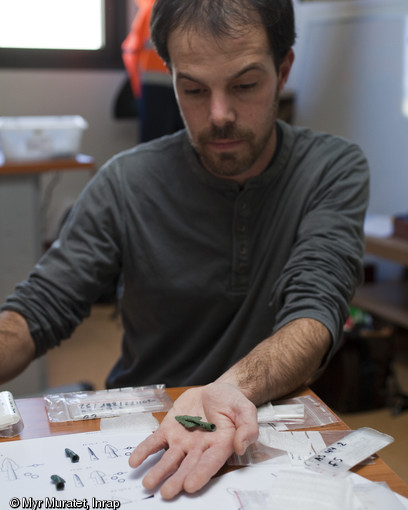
[
  {"x": 152, "y": 444},
  {"x": 210, "y": 462},
  {"x": 176, "y": 483},
  {"x": 166, "y": 466}
]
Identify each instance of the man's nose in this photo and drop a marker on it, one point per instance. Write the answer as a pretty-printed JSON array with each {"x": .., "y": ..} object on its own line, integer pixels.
[{"x": 221, "y": 110}]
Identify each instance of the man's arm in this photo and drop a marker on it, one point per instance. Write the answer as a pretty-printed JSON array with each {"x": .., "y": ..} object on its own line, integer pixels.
[
  {"x": 17, "y": 347},
  {"x": 282, "y": 362},
  {"x": 275, "y": 367}
]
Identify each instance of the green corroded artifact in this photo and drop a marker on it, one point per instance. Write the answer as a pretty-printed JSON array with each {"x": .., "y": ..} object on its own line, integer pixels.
[
  {"x": 195, "y": 421},
  {"x": 58, "y": 481}
]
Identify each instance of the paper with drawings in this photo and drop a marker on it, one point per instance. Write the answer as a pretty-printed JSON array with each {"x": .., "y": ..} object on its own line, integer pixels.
[
  {"x": 103, "y": 475},
  {"x": 102, "y": 472}
]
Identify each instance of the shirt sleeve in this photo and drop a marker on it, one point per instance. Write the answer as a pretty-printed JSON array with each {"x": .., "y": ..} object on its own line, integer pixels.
[
  {"x": 326, "y": 261},
  {"x": 71, "y": 275}
]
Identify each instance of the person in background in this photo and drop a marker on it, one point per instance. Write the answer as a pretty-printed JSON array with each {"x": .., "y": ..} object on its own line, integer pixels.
[
  {"x": 150, "y": 79},
  {"x": 239, "y": 241}
]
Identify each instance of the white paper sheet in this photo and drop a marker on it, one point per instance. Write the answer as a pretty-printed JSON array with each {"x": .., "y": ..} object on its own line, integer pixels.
[
  {"x": 103, "y": 475},
  {"x": 258, "y": 486},
  {"x": 102, "y": 472}
]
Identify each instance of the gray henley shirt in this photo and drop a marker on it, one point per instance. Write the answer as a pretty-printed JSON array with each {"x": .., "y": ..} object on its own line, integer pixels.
[{"x": 209, "y": 268}]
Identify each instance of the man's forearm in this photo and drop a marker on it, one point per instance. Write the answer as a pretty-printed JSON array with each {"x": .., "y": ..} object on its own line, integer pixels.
[
  {"x": 16, "y": 345},
  {"x": 282, "y": 362}
]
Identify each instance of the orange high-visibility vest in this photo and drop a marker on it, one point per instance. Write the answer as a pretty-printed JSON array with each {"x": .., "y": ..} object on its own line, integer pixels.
[{"x": 138, "y": 54}]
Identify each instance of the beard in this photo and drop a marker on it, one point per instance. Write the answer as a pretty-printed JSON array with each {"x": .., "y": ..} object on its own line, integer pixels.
[
  {"x": 234, "y": 163},
  {"x": 229, "y": 163}
]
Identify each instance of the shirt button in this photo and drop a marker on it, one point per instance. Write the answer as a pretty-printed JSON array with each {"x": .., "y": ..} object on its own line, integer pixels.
[
  {"x": 244, "y": 210},
  {"x": 241, "y": 269},
  {"x": 243, "y": 249}
]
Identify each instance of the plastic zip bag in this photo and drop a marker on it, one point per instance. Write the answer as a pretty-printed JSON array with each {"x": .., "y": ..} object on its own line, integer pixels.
[
  {"x": 316, "y": 414},
  {"x": 88, "y": 405}
]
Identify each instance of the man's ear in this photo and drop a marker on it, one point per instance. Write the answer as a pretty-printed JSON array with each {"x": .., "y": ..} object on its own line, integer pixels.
[{"x": 285, "y": 67}]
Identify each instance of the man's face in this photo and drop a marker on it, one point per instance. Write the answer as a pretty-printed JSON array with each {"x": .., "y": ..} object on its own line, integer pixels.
[{"x": 227, "y": 90}]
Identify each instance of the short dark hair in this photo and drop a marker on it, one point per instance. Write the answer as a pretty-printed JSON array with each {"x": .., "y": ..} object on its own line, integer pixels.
[{"x": 224, "y": 18}]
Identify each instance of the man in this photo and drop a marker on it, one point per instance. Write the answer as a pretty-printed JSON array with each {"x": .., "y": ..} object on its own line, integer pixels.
[{"x": 239, "y": 242}]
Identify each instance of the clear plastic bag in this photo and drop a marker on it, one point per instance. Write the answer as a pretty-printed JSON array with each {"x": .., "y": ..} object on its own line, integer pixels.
[
  {"x": 88, "y": 405},
  {"x": 261, "y": 453},
  {"x": 340, "y": 456},
  {"x": 316, "y": 414}
]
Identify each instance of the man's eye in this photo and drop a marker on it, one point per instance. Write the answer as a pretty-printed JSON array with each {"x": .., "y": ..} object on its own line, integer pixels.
[
  {"x": 193, "y": 91},
  {"x": 246, "y": 86}
]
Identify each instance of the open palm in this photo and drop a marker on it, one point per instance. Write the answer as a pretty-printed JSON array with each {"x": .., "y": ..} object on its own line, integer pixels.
[{"x": 193, "y": 456}]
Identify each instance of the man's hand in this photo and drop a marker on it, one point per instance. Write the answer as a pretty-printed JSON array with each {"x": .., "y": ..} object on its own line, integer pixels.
[{"x": 192, "y": 457}]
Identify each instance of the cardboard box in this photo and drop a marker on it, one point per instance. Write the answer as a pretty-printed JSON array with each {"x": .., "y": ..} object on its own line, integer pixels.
[{"x": 401, "y": 226}]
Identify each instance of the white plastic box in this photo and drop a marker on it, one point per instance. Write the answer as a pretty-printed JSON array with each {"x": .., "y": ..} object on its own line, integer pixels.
[{"x": 41, "y": 137}]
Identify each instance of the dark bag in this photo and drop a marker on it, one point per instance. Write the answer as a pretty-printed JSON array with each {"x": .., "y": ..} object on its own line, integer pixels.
[{"x": 125, "y": 105}]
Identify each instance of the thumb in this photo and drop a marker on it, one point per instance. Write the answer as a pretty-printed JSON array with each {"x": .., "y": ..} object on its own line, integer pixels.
[{"x": 247, "y": 429}]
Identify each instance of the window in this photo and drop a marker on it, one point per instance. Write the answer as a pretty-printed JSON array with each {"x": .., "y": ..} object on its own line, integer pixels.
[{"x": 62, "y": 33}]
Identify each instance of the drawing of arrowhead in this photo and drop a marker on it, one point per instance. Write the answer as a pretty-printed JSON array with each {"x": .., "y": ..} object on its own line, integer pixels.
[
  {"x": 98, "y": 476},
  {"x": 10, "y": 467},
  {"x": 111, "y": 451}
]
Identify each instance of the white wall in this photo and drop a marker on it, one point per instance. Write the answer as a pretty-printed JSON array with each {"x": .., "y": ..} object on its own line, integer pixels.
[{"x": 350, "y": 79}]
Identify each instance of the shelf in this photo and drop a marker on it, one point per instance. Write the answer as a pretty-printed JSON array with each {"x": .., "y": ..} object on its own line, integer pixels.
[
  {"x": 388, "y": 300},
  {"x": 79, "y": 162},
  {"x": 391, "y": 248}
]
